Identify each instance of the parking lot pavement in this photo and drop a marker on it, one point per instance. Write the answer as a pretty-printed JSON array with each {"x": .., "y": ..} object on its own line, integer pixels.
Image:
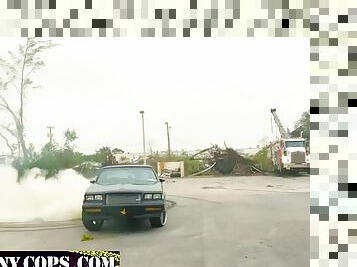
[{"x": 222, "y": 221}]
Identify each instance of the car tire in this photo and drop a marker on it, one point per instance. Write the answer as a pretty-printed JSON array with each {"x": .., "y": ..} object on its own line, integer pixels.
[
  {"x": 90, "y": 224},
  {"x": 159, "y": 221}
]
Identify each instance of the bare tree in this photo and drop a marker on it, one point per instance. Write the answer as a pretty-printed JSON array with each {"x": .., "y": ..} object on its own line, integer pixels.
[
  {"x": 8, "y": 144},
  {"x": 15, "y": 82}
]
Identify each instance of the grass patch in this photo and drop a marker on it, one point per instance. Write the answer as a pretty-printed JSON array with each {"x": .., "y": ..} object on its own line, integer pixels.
[{"x": 86, "y": 237}]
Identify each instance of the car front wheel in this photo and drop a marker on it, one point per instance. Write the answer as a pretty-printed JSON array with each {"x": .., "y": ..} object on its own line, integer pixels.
[
  {"x": 159, "y": 221},
  {"x": 90, "y": 224}
]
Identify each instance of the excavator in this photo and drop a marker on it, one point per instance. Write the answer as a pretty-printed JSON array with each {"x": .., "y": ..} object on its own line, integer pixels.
[{"x": 288, "y": 153}]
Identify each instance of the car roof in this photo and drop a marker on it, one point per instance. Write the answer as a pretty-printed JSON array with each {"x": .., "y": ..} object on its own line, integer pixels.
[{"x": 126, "y": 166}]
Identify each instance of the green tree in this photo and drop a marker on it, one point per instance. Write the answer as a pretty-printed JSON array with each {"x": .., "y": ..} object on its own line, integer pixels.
[
  {"x": 70, "y": 136},
  {"x": 105, "y": 156},
  {"x": 302, "y": 126}
]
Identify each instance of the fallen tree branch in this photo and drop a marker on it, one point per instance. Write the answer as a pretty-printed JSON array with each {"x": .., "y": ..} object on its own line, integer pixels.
[
  {"x": 256, "y": 169},
  {"x": 200, "y": 152},
  {"x": 205, "y": 170}
]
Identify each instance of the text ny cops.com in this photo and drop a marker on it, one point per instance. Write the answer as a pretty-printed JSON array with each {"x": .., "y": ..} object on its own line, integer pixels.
[{"x": 53, "y": 261}]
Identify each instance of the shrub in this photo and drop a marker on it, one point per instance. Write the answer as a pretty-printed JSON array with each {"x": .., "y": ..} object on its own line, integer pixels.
[
  {"x": 54, "y": 158},
  {"x": 262, "y": 159}
]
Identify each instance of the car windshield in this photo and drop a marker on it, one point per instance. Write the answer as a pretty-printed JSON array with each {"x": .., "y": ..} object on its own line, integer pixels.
[
  {"x": 130, "y": 175},
  {"x": 295, "y": 144}
]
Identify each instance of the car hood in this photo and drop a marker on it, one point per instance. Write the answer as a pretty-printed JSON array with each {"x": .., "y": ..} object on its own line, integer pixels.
[{"x": 101, "y": 189}]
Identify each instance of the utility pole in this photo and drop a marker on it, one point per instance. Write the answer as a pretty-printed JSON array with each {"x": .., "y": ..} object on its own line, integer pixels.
[
  {"x": 50, "y": 135},
  {"x": 142, "y": 119},
  {"x": 168, "y": 138}
]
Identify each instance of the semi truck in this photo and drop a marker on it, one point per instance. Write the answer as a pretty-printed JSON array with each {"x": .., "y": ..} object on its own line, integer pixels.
[{"x": 288, "y": 153}]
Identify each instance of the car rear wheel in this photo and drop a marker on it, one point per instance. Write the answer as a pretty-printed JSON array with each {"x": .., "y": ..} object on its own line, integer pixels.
[
  {"x": 159, "y": 221},
  {"x": 91, "y": 224}
]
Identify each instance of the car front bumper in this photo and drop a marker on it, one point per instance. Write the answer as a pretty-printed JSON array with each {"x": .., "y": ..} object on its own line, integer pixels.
[{"x": 142, "y": 210}]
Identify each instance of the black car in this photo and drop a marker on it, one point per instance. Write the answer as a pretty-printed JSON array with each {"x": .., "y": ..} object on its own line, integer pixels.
[{"x": 124, "y": 191}]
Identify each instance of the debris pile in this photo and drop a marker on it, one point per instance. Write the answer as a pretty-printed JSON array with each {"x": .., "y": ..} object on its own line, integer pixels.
[
  {"x": 170, "y": 173},
  {"x": 226, "y": 161}
]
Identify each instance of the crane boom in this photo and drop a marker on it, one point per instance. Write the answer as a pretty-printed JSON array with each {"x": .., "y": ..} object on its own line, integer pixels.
[{"x": 282, "y": 130}]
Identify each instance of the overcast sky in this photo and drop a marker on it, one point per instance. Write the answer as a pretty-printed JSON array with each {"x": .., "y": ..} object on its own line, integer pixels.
[{"x": 209, "y": 90}]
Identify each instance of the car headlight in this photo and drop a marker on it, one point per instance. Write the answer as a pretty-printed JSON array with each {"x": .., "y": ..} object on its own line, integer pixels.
[
  {"x": 98, "y": 197},
  {"x": 148, "y": 196},
  {"x": 89, "y": 197},
  {"x": 94, "y": 197},
  {"x": 156, "y": 196}
]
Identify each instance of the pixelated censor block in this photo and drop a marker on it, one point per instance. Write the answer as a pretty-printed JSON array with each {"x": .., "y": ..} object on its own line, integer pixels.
[{"x": 330, "y": 26}]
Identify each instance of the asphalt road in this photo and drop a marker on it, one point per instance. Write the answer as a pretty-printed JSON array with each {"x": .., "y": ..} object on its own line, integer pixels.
[{"x": 228, "y": 221}]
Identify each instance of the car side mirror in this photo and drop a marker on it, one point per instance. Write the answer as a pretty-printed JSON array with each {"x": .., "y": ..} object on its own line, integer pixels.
[
  {"x": 162, "y": 180},
  {"x": 93, "y": 180}
]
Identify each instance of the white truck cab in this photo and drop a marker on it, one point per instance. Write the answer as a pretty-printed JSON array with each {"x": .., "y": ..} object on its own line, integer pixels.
[
  {"x": 294, "y": 154},
  {"x": 288, "y": 153}
]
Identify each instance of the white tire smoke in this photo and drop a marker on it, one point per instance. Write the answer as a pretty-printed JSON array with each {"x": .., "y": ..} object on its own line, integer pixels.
[{"x": 36, "y": 198}]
